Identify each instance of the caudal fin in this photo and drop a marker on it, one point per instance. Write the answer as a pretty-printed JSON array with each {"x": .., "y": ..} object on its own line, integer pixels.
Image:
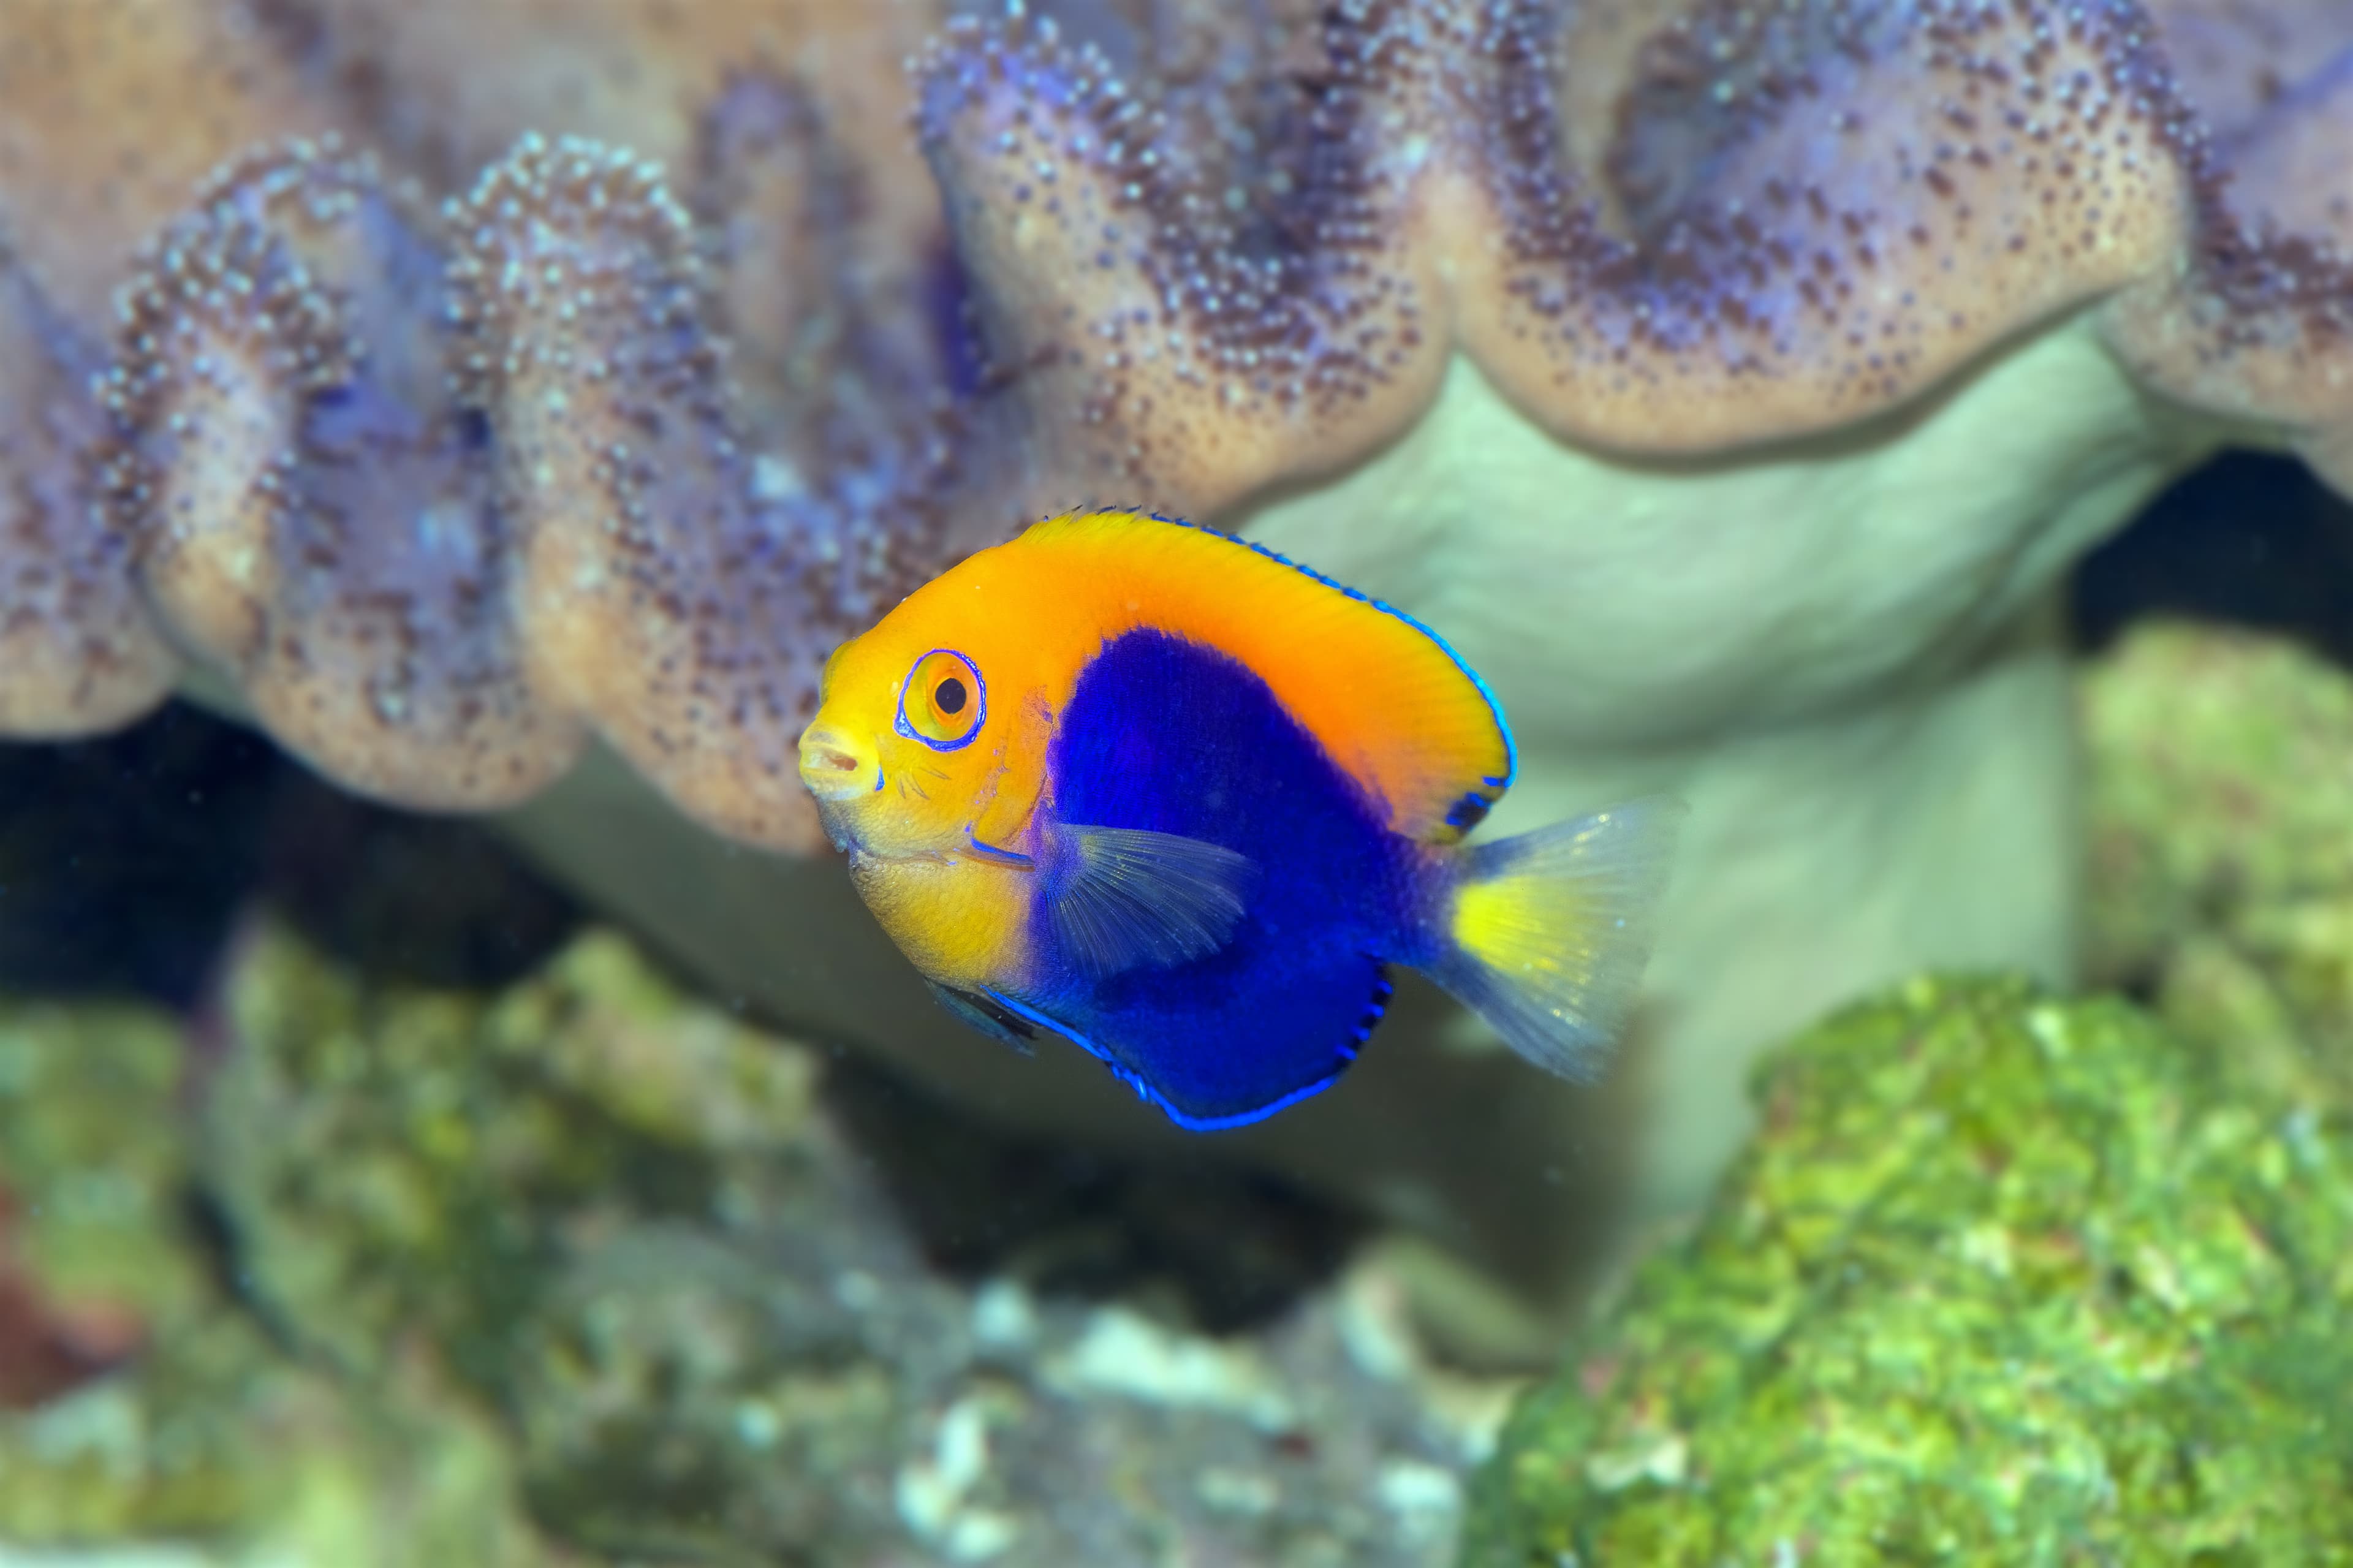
[{"x": 1548, "y": 933}]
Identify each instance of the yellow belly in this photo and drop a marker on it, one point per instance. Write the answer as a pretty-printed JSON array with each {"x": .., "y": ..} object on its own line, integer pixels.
[{"x": 964, "y": 922}]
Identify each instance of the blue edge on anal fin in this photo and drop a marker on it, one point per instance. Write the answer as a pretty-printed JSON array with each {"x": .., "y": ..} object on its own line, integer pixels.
[
  {"x": 1376, "y": 1007},
  {"x": 1374, "y": 1010}
]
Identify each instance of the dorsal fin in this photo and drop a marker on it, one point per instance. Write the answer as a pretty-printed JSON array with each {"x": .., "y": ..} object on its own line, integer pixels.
[{"x": 1388, "y": 701}]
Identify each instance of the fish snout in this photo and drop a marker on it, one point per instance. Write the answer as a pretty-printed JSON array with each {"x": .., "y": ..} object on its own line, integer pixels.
[{"x": 833, "y": 766}]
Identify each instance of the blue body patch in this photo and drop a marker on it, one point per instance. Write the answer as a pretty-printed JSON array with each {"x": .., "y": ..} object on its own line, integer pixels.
[{"x": 1170, "y": 735}]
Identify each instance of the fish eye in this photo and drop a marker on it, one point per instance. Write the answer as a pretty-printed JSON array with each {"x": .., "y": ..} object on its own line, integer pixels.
[{"x": 943, "y": 702}]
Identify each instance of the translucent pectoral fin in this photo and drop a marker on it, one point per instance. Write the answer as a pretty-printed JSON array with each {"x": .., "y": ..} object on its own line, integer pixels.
[{"x": 1126, "y": 898}]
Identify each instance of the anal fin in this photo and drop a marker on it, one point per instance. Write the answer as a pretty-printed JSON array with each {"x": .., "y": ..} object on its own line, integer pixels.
[{"x": 985, "y": 1016}]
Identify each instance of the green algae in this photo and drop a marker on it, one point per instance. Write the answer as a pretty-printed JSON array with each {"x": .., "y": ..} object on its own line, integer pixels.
[
  {"x": 423, "y": 1141},
  {"x": 2221, "y": 839},
  {"x": 2003, "y": 1279},
  {"x": 89, "y": 1148},
  {"x": 91, "y": 1155},
  {"x": 2220, "y": 762},
  {"x": 543, "y": 1189},
  {"x": 208, "y": 1436},
  {"x": 467, "y": 1273},
  {"x": 626, "y": 1225}
]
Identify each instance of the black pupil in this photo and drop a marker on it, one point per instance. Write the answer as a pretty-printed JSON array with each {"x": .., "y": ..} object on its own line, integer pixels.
[{"x": 949, "y": 695}]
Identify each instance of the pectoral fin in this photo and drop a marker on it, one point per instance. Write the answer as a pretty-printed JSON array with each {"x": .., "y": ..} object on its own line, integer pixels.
[{"x": 1128, "y": 898}]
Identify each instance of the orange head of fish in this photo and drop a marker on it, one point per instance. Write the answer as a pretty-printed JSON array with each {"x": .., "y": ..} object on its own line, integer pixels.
[{"x": 931, "y": 731}]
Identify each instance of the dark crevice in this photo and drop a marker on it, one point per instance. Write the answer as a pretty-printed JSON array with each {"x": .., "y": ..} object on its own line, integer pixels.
[
  {"x": 1204, "y": 1243},
  {"x": 2249, "y": 540}
]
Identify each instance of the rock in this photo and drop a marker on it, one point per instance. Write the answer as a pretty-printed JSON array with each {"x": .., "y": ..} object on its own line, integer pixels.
[
  {"x": 91, "y": 1180},
  {"x": 180, "y": 1434},
  {"x": 2003, "y": 1279},
  {"x": 2222, "y": 800},
  {"x": 643, "y": 1233},
  {"x": 456, "y": 1239},
  {"x": 575, "y": 1269}
]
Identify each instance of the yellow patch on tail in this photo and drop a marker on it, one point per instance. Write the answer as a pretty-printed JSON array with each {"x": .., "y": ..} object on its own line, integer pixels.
[
  {"x": 1534, "y": 927},
  {"x": 1551, "y": 931}
]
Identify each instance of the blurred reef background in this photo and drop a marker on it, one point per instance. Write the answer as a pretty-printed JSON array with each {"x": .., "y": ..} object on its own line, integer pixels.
[{"x": 361, "y": 1204}]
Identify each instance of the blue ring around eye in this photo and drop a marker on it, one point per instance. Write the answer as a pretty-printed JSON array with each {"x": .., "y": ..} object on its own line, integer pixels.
[{"x": 979, "y": 719}]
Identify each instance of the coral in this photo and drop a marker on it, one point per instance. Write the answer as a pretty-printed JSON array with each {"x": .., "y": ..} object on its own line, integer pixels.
[
  {"x": 502, "y": 383},
  {"x": 2003, "y": 1279},
  {"x": 429, "y": 1138},
  {"x": 108, "y": 115},
  {"x": 575, "y": 1269},
  {"x": 2222, "y": 847},
  {"x": 152, "y": 1407},
  {"x": 640, "y": 1231},
  {"x": 2219, "y": 764},
  {"x": 86, "y": 1197},
  {"x": 1206, "y": 263}
]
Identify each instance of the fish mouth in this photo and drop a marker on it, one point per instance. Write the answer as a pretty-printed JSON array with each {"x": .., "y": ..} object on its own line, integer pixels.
[{"x": 834, "y": 768}]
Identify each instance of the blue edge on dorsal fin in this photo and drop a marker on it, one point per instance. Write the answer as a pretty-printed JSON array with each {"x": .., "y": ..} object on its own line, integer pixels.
[{"x": 1375, "y": 1008}]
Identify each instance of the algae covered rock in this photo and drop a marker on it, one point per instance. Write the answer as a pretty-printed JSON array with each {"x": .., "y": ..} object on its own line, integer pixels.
[
  {"x": 144, "y": 1410},
  {"x": 2221, "y": 834},
  {"x": 2001, "y": 1279},
  {"x": 95, "y": 1274},
  {"x": 516, "y": 1184},
  {"x": 398, "y": 1155},
  {"x": 92, "y": 1170},
  {"x": 659, "y": 1245}
]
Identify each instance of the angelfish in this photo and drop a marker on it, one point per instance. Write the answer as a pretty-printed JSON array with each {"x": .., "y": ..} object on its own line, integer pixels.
[{"x": 1185, "y": 803}]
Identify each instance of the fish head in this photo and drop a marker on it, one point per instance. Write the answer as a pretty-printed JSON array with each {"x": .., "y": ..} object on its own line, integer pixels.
[{"x": 930, "y": 733}]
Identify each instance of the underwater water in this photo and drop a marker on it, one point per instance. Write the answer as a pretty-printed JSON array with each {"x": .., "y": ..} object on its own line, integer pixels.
[
  {"x": 370, "y": 1201},
  {"x": 1861, "y": 493}
]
